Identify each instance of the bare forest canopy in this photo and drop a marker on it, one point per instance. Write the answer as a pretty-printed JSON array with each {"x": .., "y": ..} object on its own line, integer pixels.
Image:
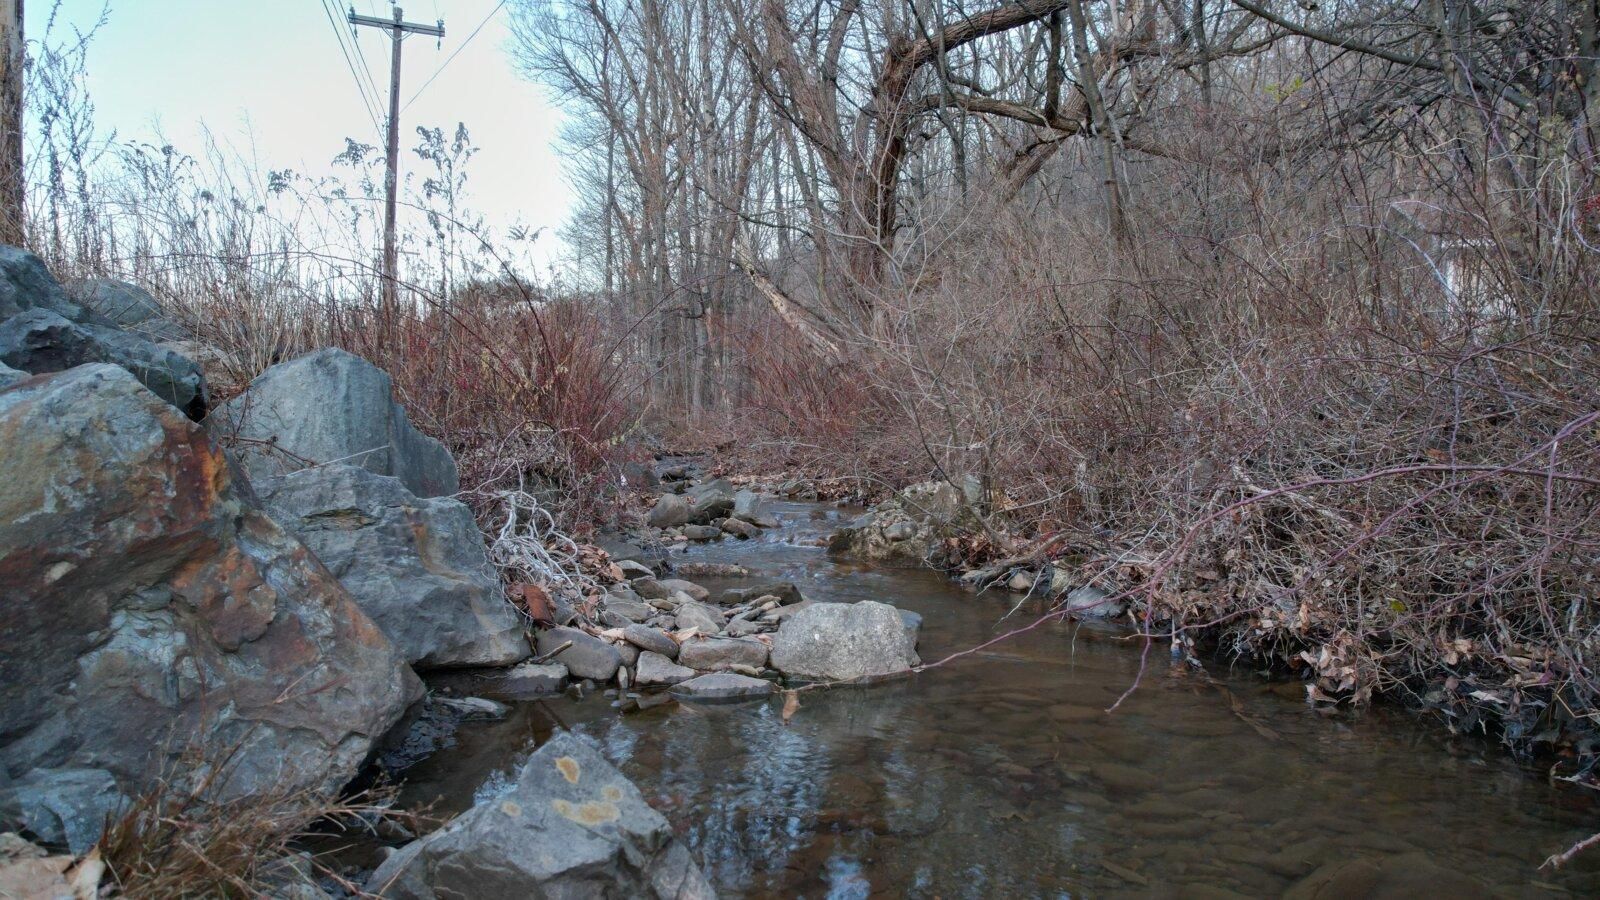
[{"x": 1284, "y": 312}]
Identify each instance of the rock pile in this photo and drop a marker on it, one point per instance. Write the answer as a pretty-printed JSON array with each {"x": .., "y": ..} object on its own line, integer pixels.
[{"x": 159, "y": 614}]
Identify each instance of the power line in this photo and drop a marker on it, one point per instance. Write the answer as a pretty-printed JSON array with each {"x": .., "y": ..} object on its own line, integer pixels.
[
  {"x": 349, "y": 61},
  {"x": 366, "y": 67},
  {"x": 437, "y": 72}
]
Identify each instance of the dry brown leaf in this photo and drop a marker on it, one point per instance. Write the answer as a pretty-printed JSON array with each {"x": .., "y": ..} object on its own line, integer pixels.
[{"x": 791, "y": 705}]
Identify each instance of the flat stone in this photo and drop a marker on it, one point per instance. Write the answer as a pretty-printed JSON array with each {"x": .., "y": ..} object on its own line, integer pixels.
[
  {"x": 786, "y": 592},
  {"x": 741, "y": 529},
  {"x": 723, "y": 686},
  {"x": 653, "y": 639},
  {"x": 588, "y": 657},
  {"x": 719, "y": 654},
  {"x": 710, "y": 570},
  {"x": 654, "y": 669},
  {"x": 473, "y": 707}
]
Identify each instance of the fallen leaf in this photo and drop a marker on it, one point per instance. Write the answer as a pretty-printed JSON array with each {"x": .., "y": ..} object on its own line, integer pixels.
[{"x": 791, "y": 705}]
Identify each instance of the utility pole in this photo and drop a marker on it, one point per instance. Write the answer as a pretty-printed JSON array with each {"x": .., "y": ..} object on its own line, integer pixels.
[
  {"x": 398, "y": 28},
  {"x": 11, "y": 78}
]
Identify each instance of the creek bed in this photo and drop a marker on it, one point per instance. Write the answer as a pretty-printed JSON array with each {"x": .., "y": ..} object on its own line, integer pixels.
[{"x": 1001, "y": 775}]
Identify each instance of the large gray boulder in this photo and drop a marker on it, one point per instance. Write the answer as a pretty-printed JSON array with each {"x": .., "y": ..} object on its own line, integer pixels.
[
  {"x": 712, "y": 500},
  {"x": 331, "y": 406},
  {"x": 40, "y": 341},
  {"x": 572, "y": 827},
  {"x": 128, "y": 307},
  {"x": 415, "y": 565},
  {"x": 908, "y": 528},
  {"x": 147, "y": 608},
  {"x": 844, "y": 641}
]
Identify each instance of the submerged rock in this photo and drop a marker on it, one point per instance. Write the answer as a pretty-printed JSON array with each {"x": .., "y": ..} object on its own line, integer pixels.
[
  {"x": 571, "y": 827},
  {"x": 723, "y": 686},
  {"x": 416, "y": 565},
  {"x": 786, "y": 592},
  {"x": 147, "y": 605},
  {"x": 842, "y": 641},
  {"x": 330, "y": 406}
]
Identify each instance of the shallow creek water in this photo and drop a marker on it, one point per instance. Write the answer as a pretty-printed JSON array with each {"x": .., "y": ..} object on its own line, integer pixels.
[{"x": 1000, "y": 774}]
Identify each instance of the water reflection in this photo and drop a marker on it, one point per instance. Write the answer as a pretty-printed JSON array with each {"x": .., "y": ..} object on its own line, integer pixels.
[{"x": 1002, "y": 775}]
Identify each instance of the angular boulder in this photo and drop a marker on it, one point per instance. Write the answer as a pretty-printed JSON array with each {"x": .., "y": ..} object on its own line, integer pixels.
[
  {"x": 908, "y": 528},
  {"x": 712, "y": 500},
  {"x": 748, "y": 506},
  {"x": 41, "y": 341},
  {"x": 571, "y": 827},
  {"x": 844, "y": 641},
  {"x": 331, "y": 406},
  {"x": 26, "y": 283},
  {"x": 671, "y": 510},
  {"x": 146, "y": 606},
  {"x": 128, "y": 307},
  {"x": 708, "y": 619},
  {"x": 416, "y": 565}
]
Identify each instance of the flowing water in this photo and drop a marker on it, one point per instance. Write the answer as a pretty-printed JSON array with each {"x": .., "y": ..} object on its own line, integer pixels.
[{"x": 1000, "y": 774}]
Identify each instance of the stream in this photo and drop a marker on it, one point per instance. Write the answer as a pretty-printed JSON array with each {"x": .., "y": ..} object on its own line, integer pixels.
[{"x": 1001, "y": 774}]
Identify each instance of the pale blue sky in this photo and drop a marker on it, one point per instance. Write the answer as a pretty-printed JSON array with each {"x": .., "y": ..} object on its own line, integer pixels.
[{"x": 271, "y": 71}]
